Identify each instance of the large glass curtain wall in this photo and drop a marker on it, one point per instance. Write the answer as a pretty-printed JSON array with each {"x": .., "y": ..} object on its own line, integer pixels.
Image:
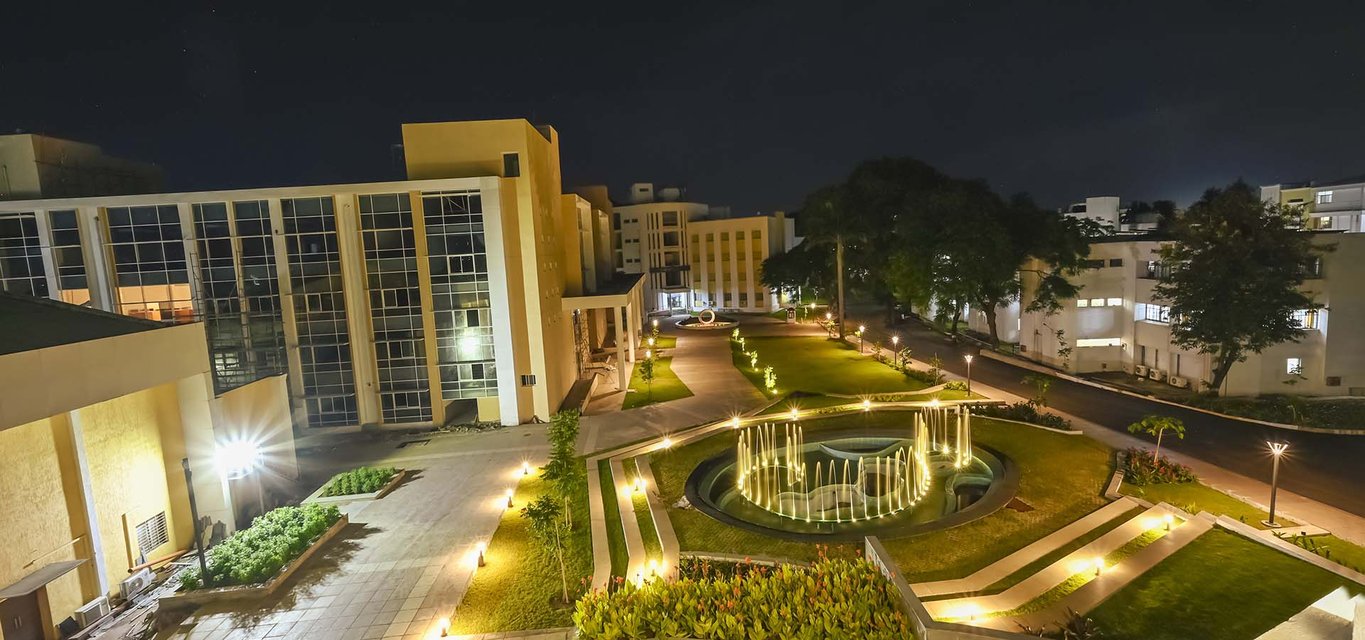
[
  {"x": 151, "y": 274},
  {"x": 320, "y": 311},
  {"x": 460, "y": 299},
  {"x": 21, "y": 256},
  {"x": 395, "y": 307}
]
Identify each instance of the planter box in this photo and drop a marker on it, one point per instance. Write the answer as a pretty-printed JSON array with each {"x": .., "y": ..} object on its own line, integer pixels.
[
  {"x": 317, "y": 498},
  {"x": 252, "y": 591}
]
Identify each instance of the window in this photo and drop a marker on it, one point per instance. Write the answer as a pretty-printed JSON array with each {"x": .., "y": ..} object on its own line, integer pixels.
[
  {"x": 1097, "y": 302},
  {"x": 1324, "y": 197},
  {"x": 511, "y": 165},
  {"x": 1293, "y": 366},
  {"x": 1154, "y": 313},
  {"x": 1114, "y": 302},
  {"x": 1093, "y": 264},
  {"x": 1082, "y": 303},
  {"x": 528, "y": 380},
  {"x": 1305, "y": 318},
  {"x": 743, "y": 299},
  {"x": 1116, "y": 262},
  {"x": 670, "y": 218},
  {"x": 152, "y": 533},
  {"x": 1099, "y": 342},
  {"x": 1325, "y": 222}
]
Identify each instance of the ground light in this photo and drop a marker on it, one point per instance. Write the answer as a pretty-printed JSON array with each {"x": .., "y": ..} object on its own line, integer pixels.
[
  {"x": 482, "y": 548},
  {"x": 861, "y": 329},
  {"x": 895, "y": 353},
  {"x": 509, "y": 497},
  {"x": 734, "y": 422},
  {"x": 1169, "y": 519},
  {"x": 1277, "y": 450},
  {"x": 654, "y": 323},
  {"x": 867, "y": 404},
  {"x": 525, "y": 468},
  {"x": 1099, "y": 566},
  {"x": 651, "y": 341},
  {"x": 667, "y": 443},
  {"x": 639, "y": 484},
  {"x": 795, "y": 414}
]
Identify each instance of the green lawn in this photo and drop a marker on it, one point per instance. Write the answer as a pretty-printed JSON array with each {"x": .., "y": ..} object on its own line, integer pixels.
[
  {"x": 1197, "y": 496},
  {"x": 806, "y": 403},
  {"x": 1063, "y": 479},
  {"x": 819, "y": 366},
  {"x": 666, "y": 386},
  {"x": 616, "y": 538},
  {"x": 514, "y": 591},
  {"x": 1219, "y": 586},
  {"x": 1078, "y": 580},
  {"x": 649, "y": 535}
]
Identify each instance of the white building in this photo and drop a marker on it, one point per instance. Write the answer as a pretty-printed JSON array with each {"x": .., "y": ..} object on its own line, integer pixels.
[
  {"x": 1118, "y": 324},
  {"x": 1336, "y": 205},
  {"x": 1105, "y": 210},
  {"x": 696, "y": 256}
]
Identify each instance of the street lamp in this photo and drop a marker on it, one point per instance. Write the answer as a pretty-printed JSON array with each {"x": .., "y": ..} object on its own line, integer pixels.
[
  {"x": 968, "y": 358},
  {"x": 1277, "y": 450},
  {"x": 895, "y": 350},
  {"x": 861, "y": 329},
  {"x": 198, "y": 528}
]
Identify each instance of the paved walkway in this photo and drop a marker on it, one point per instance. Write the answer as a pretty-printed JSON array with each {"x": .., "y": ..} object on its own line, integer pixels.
[{"x": 405, "y": 561}]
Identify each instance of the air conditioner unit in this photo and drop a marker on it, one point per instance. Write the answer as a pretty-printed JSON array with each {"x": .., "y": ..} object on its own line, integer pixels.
[
  {"x": 135, "y": 583},
  {"x": 1156, "y": 375},
  {"x": 1178, "y": 382},
  {"x": 92, "y": 611},
  {"x": 1140, "y": 370}
]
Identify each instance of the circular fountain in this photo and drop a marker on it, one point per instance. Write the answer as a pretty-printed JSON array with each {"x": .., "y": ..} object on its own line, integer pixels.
[{"x": 848, "y": 481}]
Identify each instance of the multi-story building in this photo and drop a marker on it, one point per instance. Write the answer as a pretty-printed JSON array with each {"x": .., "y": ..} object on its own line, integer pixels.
[
  {"x": 695, "y": 256},
  {"x": 1334, "y": 205},
  {"x": 453, "y": 294},
  {"x": 37, "y": 166},
  {"x": 101, "y": 418},
  {"x": 1117, "y": 323}
]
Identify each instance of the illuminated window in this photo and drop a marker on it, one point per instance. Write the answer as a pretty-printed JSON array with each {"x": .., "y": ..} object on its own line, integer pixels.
[
  {"x": 1324, "y": 197},
  {"x": 1293, "y": 366},
  {"x": 1114, "y": 302},
  {"x": 1155, "y": 313},
  {"x": 1097, "y": 302},
  {"x": 1082, "y": 302},
  {"x": 1305, "y": 318},
  {"x": 1099, "y": 342}
]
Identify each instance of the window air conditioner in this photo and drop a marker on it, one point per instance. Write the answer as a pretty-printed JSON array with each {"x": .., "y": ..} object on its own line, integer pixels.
[
  {"x": 1140, "y": 370},
  {"x": 92, "y": 611}
]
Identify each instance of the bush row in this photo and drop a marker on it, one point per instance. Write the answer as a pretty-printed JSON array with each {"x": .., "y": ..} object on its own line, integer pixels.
[
  {"x": 1024, "y": 412},
  {"x": 1141, "y": 468},
  {"x": 257, "y": 553},
  {"x": 829, "y": 599},
  {"x": 361, "y": 480}
]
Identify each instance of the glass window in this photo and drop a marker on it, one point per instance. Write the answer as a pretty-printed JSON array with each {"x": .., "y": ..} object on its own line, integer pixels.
[
  {"x": 1114, "y": 302},
  {"x": 1293, "y": 366},
  {"x": 1097, "y": 302},
  {"x": 1305, "y": 318},
  {"x": 511, "y": 165},
  {"x": 21, "y": 256},
  {"x": 387, "y": 235},
  {"x": 462, "y": 309},
  {"x": 150, "y": 267},
  {"x": 1082, "y": 302},
  {"x": 1324, "y": 197}
]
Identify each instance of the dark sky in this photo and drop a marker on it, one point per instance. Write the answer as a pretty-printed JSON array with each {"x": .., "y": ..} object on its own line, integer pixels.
[{"x": 747, "y": 103}]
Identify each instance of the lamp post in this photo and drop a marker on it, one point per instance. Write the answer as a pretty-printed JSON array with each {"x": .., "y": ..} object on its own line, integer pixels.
[
  {"x": 968, "y": 358},
  {"x": 895, "y": 351},
  {"x": 861, "y": 329},
  {"x": 198, "y": 527},
  {"x": 1277, "y": 450}
]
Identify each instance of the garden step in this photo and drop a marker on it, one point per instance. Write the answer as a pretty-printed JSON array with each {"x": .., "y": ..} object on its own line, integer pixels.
[
  {"x": 1092, "y": 593},
  {"x": 635, "y": 546},
  {"x": 1012, "y": 563},
  {"x": 668, "y": 540},
  {"x": 1052, "y": 575}
]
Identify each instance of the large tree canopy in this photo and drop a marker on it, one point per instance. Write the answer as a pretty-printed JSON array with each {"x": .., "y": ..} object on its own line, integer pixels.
[{"x": 1235, "y": 270}]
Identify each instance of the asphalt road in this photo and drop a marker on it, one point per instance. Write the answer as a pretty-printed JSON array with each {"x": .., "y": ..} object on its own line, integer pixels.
[{"x": 1324, "y": 467}]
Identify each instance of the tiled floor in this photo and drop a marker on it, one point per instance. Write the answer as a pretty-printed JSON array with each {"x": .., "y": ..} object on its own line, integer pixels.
[{"x": 403, "y": 563}]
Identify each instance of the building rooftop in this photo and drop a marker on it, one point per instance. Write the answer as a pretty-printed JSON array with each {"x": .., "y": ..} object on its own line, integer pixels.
[{"x": 28, "y": 323}]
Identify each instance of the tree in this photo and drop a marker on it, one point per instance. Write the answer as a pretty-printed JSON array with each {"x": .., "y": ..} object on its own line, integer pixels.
[
  {"x": 1041, "y": 384},
  {"x": 547, "y": 525},
  {"x": 1233, "y": 276},
  {"x": 806, "y": 267},
  {"x": 1158, "y": 426},
  {"x": 647, "y": 375},
  {"x": 564, "y": 470}
]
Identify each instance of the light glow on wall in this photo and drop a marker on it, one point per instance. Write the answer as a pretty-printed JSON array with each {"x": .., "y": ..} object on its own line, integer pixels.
[{"x": 1099, "y": 342}]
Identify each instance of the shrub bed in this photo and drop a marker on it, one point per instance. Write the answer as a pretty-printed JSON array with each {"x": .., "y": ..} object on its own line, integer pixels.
[
  {"x": 1024, "y": 412},
  {"x": 829, "y": 599},
  {"x": 1140, "y": 468},
  {"x": 257, "y": 553},
  {"x": 361, "y": 480}
]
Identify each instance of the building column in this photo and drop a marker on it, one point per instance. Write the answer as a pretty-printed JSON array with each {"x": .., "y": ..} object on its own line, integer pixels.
[
  {"x": 54, "y": 289},
  {"x": 621, "y": 381},
  {"x": 103, "y": 294},
  {"x": 632, "y": 312},
  {"x": 351, "y": 250},
  {"x": 283, "y": 276}
]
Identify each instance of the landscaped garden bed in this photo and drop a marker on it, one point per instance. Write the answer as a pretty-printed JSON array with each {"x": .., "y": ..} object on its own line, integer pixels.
[
  {"x": 255, "y": 561},
  {"x": 829, "y": 599},
  {"x": 363, "y": 483},
  {"x": 819, "y": 367},
  {"x": 666, "y": 385}
]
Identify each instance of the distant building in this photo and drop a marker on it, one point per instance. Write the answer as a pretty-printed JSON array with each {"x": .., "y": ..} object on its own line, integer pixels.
[
  {"x": 1333, "y": 205},
  {"x": 37, "y": 166},
  {"x": 696, "y": 256},
  {"x": 472, "y": 290},
  {"x": 1104, "y": 210},
  {"x": 1118, "y": 324},
  {"x": 98, "y": 412}
]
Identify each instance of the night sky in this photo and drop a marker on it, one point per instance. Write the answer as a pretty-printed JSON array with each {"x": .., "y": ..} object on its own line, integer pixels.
[{"x": 745, "y": 103}]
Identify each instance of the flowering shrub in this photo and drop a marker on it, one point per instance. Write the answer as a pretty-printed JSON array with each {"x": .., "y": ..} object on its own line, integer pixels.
[
  {"x": 257, "y": 553},
  {"x": 361, "y": 480},
  {"x": 1024, "y": 412},
  {"x": 955, "y": 385},
  {"x": 829, "y": 599},
  {"x": 1140, "y": 468}
]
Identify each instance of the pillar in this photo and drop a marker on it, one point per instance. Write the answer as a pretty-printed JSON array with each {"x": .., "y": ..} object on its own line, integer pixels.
[{"x": 621, "y": 381}]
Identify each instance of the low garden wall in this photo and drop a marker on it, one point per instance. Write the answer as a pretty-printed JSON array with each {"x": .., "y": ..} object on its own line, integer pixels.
[{"x": 317, "y": 498}]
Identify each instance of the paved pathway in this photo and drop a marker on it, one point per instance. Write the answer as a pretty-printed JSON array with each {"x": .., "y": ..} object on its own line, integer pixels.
[{"x": 405, "y": 561}]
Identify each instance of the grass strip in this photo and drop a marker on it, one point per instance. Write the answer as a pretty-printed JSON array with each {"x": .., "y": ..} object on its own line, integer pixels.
[{"x": 616, "y": 537}]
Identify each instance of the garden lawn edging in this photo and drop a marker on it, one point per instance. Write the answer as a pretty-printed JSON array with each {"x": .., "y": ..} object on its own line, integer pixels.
[
  {"x": 317, "y": 498},
  {"x": 242, "y": 592}
]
